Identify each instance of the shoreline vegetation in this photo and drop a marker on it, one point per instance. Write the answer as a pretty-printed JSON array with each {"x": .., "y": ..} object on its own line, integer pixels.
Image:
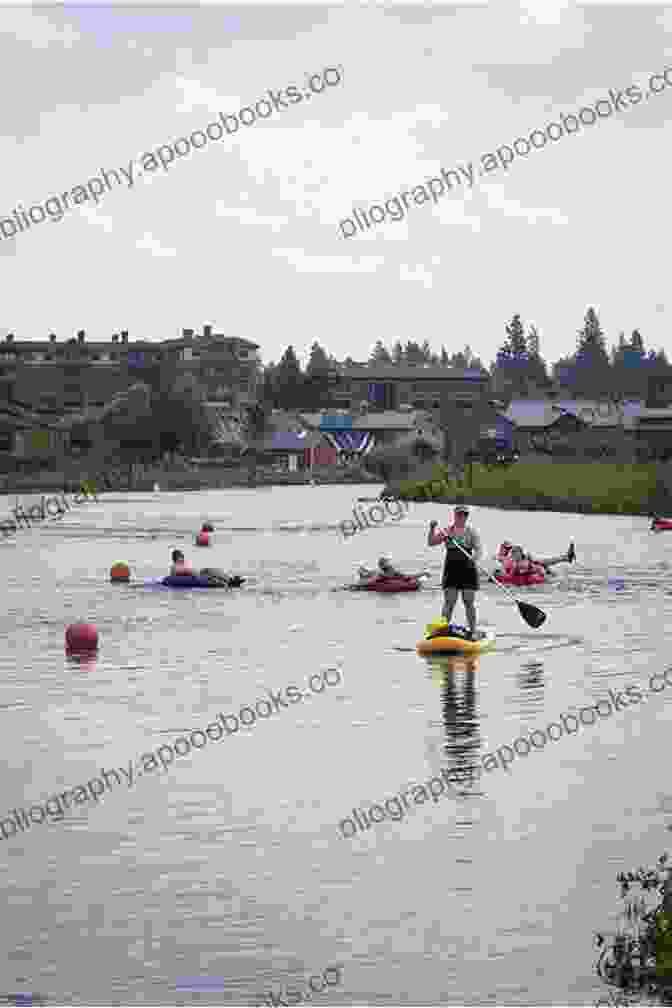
[
  {"x": 169, "y": 478},
  {"x": 605, "y": 488}
]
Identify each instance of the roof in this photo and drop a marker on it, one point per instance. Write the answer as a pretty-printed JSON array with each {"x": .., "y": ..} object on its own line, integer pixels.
[
  {"x": 532, "y": 413},
  {"x": 387, "y": 420},
  {"x": 593, "y": 412},
  {"x": 375, "y": 420},
  {"x": 285, "y": 441}
]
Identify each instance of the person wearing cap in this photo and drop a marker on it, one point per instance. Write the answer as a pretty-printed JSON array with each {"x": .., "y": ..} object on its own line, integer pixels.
[
  {"x": 386, "y": 569},
  {"x": 460, "y": 574}
]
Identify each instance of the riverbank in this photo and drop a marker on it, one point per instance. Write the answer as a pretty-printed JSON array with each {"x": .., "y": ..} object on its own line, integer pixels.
[
  {"x": 212, "y": 477},
  {"x": 603, "y": 488}
]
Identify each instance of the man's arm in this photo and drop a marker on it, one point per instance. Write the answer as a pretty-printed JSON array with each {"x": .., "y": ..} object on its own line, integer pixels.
[{"x": 434, "y": 538}]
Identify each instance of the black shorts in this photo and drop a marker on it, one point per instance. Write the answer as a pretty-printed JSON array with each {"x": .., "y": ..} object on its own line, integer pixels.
[{"x": 458, "y": 572}]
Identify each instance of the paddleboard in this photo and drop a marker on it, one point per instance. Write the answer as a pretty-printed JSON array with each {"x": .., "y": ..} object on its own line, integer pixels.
[{"x": 454, "y": 642}]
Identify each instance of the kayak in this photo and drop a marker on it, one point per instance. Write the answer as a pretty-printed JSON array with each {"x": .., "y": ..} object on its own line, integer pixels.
[
  {"x": 453, "y": 641},
  {"x": 661, "y": 524},
  {"x": 389, "y": 584}
]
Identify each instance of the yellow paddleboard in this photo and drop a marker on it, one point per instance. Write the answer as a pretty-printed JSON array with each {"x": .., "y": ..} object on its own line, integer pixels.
[{"x": 454, "y": 644}]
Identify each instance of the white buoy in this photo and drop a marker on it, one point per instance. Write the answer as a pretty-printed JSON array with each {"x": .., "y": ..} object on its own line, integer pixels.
[{"x": 157, "y": 488}]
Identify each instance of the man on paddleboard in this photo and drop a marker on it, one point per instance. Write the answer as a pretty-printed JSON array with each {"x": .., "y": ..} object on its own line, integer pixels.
[{"x": 460, "y": 575}]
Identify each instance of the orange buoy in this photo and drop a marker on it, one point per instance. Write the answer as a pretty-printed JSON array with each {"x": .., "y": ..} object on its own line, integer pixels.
[
  {"x": 81, "y": 637},
  {"x": 120, "y": 572}
]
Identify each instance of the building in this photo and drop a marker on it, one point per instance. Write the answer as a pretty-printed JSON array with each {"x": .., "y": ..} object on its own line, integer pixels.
[
  {"x": 653, "y": 434},
  {"x": 78, "y": 375},
  {"x": 579, "y": 428},
  {"x": 391, "y": 387},
  {"x": 355, "y": 434}
]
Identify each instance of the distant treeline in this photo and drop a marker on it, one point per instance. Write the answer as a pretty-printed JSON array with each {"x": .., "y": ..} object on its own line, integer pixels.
[{"x": 519, "y": 370}]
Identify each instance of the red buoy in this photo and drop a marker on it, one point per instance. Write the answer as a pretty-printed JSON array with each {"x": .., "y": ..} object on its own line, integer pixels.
[
  {"x": 81, "y": 637},
  {"x": 202, "y": 539}
]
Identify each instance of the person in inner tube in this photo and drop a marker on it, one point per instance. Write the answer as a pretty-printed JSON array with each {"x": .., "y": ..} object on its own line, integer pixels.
[
  {"x": 520, "y": 564},
  {"x": 504, "y": 554},
  {"x": 385, "y": 568},
  {"x": 179, "y": 566}
]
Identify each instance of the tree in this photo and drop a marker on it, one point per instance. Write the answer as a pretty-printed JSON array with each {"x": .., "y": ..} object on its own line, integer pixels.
[
  {"x": 289, "y": 381},
  {"x": 318, "y": 362},
  {"x": 181, "y": 418},
  {"x": 397, "y": 353},
  {"x": 317, "y": 383},
  {"x": 444, "y": 357},
  {"x": 630, "y": 366},
  {"x": 413, "y": 354},
  {"x": 380, "y": 354},
  {"x": 536, "y": 366},
  {"x": 426, "y": 352},
  {"x": 458, "y": 360},
  {"x": 592, "y": 371},
  {"x": 512, "y": 364}
]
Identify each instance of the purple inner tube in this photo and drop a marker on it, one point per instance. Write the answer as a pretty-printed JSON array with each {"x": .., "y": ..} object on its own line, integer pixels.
[{"x": 187, "y": 581}]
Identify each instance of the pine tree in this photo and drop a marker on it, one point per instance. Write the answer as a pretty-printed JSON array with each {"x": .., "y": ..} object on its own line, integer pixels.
[
  {"x": 318, "y": 362},
  {"x": 513, "y": 360},
  {"x": 413, "y": 353},
  {"x": 458, "y": 360},
  {"x": 444, "y": 357},
  {"x": 426, "y": 352},
  {"x": 592, "y": 375},
  {"x": 397, "y": 353},
  {"x": 289, "y": 381},
  {"x": 380, "y": 354}
]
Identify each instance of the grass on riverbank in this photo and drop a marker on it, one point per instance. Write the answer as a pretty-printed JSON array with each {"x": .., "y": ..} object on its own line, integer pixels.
[{"x": 603, "y": 488}]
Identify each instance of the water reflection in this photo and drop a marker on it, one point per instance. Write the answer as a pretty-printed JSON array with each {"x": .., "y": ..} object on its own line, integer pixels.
[
  {"x": 456, "y": 675},
  {"x": 531, "y": 677}
]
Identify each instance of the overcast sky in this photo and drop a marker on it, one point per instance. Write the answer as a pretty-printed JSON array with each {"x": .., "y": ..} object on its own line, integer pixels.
[{"x": 244, "y": 234}]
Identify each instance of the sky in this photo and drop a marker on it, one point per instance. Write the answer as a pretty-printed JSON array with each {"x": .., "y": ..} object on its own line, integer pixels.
[{"x": 245, "y": 234}]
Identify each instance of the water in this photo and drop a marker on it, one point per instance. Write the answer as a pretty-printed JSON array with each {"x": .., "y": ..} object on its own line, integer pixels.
[{"x": 230, "y": 868}]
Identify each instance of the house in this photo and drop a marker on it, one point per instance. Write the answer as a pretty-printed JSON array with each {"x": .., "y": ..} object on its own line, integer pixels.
[
  {"x": 354, "y": 434},
  {"x": 580, "y": 427},
  {"x": 544, "y": 427},
  {"x": 653, "y": 434},
  {"x": 285, "y": 448}
]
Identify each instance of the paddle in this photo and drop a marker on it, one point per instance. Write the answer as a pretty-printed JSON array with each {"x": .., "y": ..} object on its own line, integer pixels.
[{"x": 533, "y": 616}]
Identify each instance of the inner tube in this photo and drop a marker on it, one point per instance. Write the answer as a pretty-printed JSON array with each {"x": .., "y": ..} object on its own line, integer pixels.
[
  {"x": 390, "y": 584},
  {"x": 199, "y": 581},
  {"x": 521, "y": 580}
]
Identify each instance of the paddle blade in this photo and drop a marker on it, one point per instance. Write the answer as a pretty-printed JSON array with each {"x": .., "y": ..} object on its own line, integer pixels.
[{"x": 533, "y": 617}]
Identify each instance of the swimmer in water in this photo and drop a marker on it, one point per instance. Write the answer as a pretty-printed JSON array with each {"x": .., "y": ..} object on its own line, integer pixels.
[{"x": 179, "y": 565}]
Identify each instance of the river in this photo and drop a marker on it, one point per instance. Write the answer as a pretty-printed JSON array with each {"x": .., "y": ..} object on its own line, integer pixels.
[{"x": 231, "y": 865}]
